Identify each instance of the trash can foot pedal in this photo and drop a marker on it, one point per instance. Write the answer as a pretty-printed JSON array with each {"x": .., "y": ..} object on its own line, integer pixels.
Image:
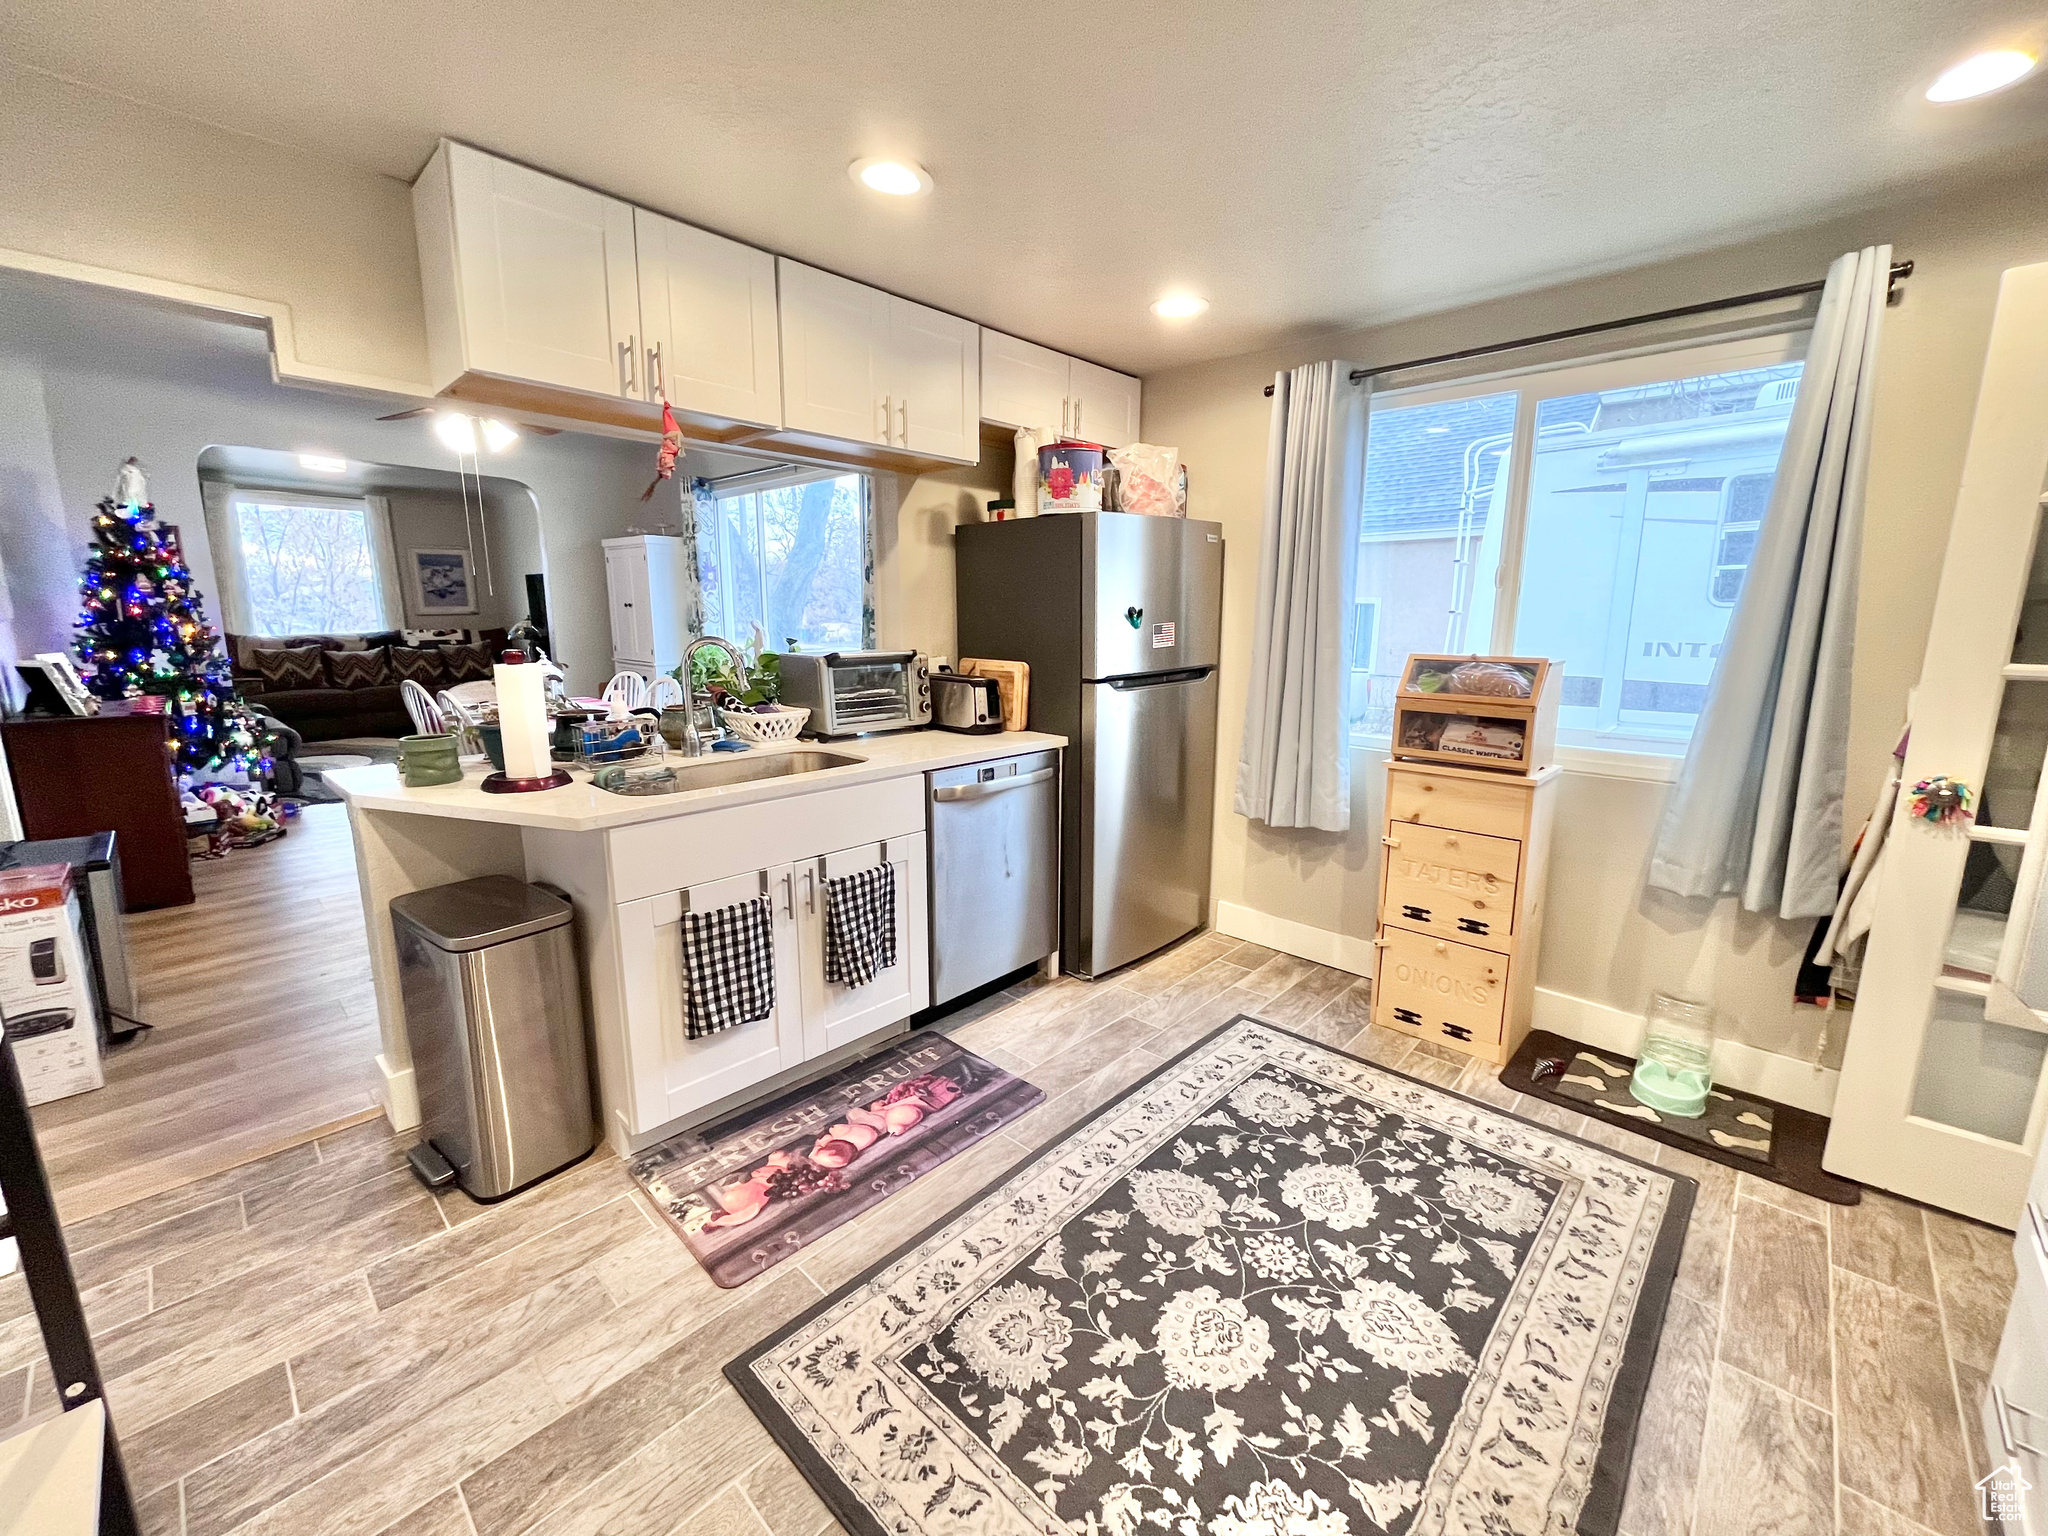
[{"x": 430, "y": 1167}]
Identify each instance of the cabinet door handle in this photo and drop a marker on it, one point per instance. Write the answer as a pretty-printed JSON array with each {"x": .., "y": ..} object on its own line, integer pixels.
[
  {"x": 1077, "y": 415},
  {"x": 789, "y": 895},
  {"x": 2034, "y": 1219},
  {"x": 626, "y": 364},
  {"x": 1066, "y": 413},
  {"x": 887, "y": 401},
  {"x": 810, "y": 893},
  {"x": 903, "y": 422},
  {"x": 657, "y": 378},
  {"x": 2001, "y": 1413}
]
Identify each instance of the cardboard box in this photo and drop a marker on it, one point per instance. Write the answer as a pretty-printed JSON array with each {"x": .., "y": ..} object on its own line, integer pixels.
[{"x": 46, "y": 992}]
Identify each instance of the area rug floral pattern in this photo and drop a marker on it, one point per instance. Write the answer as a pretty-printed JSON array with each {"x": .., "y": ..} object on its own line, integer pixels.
[{"x": 1273, "y": 1290}]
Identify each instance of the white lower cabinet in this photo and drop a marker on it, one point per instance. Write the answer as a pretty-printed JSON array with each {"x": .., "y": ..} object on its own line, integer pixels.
[
  {"x": 651, "y": 1072},
  {"x": 836, "y": 1014}
]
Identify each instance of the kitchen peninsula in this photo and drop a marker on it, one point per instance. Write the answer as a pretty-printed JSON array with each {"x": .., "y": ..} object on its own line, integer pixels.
[{"x": 631, "y": 865}]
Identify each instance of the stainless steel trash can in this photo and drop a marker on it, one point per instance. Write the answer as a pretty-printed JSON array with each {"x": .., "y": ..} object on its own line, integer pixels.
[{"x": 488, "y": 972}]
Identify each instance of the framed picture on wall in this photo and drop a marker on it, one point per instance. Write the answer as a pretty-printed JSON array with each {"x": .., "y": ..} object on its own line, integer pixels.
[{"x": 441, "y": 581}]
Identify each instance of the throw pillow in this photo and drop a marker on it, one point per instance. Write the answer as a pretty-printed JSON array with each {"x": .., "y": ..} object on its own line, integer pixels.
[
  {"x": 359, "y": 669},
  {"x": 467, "y": 663},
  {"x": 295, "y": 666},
  {"x": 418, "y": 666}
]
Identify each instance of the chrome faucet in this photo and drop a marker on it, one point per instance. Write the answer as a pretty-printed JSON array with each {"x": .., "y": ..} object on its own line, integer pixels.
[{"x": 693, "y": 743}]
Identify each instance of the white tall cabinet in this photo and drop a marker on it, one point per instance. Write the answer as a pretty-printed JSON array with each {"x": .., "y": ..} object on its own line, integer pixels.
[
  {"x": 1026, "y": 385},
  {"x": 864, "y": 366},
  {"x": 647, "y": 582}
]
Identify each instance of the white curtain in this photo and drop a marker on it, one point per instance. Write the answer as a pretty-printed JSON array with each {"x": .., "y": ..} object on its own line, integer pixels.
[
  {"x": 384, "y": 551},
  {"x": 224, "y": 535},
  {"x": 1757, "y": 809},
  {"x": 1294, "y": 769}
]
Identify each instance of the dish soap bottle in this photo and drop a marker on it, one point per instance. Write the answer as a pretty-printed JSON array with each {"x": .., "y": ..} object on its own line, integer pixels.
[{"x": 1675, "y": 1067}]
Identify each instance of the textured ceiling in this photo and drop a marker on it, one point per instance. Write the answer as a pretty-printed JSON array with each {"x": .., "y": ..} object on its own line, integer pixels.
[{"x": 1309, "y": 165}]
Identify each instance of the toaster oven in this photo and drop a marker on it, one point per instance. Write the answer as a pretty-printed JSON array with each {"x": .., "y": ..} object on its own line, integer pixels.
[{"x": 854, "y": 693}]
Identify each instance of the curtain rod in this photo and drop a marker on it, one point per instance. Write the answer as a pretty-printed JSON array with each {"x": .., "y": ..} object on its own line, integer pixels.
[
  {"x": 1901, "y": 270},
  {"x": 748, "y": 474}
]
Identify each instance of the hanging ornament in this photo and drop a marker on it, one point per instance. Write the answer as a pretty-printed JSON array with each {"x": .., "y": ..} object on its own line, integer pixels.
[
  {"x": 1941, "y": 801},
  {"x": 671, "y": 450}
]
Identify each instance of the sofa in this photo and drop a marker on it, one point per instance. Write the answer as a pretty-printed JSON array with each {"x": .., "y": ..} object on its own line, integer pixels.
[{"x": 326, "y": 687}]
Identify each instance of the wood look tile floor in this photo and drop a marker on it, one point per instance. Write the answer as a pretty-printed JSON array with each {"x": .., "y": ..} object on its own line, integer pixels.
[
  {"x": 309, "y": 1343},
  {"x": 266, "y": 1026}
]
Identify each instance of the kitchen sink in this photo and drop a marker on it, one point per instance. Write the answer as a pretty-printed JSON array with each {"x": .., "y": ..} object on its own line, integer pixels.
[{"x": 719, "y": 768}]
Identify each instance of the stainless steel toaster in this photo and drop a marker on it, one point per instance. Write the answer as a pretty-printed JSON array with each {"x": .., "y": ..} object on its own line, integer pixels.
[
  {"x": 973, "y": 705},
  {"x": 856, "y": 693}
]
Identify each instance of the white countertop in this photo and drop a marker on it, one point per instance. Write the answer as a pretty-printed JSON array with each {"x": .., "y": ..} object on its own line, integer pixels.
[{"x": 582, "y": 807}]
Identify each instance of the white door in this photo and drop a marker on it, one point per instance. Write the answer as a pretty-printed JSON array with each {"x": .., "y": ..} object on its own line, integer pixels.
[
  {"x": 834, "y": 336},
  {"x": 836, "y": 1014},
  {"x": 549, "y": 286},
  {"x": 708, "y": 305},
  {"x": 672, "y": 1074},
  {"x": 934, "y": 379},
  {"x": 1942, "y": 1090},
  {"x": 1104, "y": 407},
  {"x": 625, "y": 575},
  {"x": 1022, "y": 383}
]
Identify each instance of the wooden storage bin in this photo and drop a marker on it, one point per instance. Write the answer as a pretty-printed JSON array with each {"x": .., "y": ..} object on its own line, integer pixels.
[
  {"x": 1461, "y": 905},
  {"x": 1469, "y": 727}
]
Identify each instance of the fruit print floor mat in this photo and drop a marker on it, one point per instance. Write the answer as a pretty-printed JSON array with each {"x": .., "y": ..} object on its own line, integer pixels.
[{"x": 748, "y": 1191}]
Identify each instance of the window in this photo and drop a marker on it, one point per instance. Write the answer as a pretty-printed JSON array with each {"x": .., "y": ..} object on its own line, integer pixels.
[
  {"x": 790, "y": 558},
  {"x": 1603, "y": 515},
  {"x": 309, "y": 565}
]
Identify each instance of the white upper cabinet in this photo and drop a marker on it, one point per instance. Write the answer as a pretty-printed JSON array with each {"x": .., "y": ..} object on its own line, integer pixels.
[
  {"x": 526, "y": 276},
  {"x": 707, "y": 305},
  {"x": 1026, "y": 385},
  {"x": 1023, "y": 384},
  {"x": 1104, "y": 406},
  {"x": 932, "y": 381},
  {"x": 834, "y": 334},
  {"x": 860, "y": 365}
]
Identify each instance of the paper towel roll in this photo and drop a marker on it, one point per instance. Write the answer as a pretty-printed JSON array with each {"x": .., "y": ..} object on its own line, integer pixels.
[{"x": 523, "y": 719}]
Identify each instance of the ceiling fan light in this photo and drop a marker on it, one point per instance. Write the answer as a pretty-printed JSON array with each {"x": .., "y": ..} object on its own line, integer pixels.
[{"x": 456, "y": 431}]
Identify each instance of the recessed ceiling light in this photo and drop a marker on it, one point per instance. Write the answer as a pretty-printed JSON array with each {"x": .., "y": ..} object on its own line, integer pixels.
[
  {"x": 1981, "y": 74},
  {"x": 895, "y": 178},
  {"x": 323, "y": 463},
  {"x": 1179, "y": 306}
]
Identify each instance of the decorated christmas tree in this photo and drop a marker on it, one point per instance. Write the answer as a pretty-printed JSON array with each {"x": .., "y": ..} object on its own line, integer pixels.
[{"x": 142, "y": 630}]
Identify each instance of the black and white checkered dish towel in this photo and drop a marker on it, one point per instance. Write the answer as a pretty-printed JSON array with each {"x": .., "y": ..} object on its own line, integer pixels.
[
  {"x": 728, "y": 966},
  {"x": 860, "y": 925}
]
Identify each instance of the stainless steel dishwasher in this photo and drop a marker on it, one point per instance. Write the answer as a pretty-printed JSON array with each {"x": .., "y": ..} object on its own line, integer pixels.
[{"x": 994, "y": 845}]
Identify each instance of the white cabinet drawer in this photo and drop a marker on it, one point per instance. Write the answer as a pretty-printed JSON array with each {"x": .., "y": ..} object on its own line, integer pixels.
[
  {"x": 660, "y": 856},
  {"x": 2014, "y": 1410}
]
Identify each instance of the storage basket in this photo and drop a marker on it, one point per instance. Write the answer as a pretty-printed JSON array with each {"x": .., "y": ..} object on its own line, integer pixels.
[{"x": 764, "y": 729}]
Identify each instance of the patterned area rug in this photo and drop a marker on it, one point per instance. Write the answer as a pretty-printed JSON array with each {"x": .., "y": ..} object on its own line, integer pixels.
[{"x": 1272, "y": 1290}]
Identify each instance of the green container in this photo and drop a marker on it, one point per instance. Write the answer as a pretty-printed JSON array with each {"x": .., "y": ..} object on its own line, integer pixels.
[
  {"x": 494, "y": 745},
  {"x": 424, "y": 760},
  {"x": 1675, "y": 1067}
]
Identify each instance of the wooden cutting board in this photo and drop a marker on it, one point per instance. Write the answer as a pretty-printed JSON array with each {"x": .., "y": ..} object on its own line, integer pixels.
[{"x": 1013, "y": 683}]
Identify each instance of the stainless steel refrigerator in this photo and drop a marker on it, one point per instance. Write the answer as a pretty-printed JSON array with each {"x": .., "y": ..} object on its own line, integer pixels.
[{"x": 1119, "y": 617}]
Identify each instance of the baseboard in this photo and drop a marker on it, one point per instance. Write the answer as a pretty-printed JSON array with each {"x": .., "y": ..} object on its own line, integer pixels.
[
  {"x": 1784, "y": 1078},
  {"x": 397, "y": 1093},
  {"x": 1339, "y": 950}
]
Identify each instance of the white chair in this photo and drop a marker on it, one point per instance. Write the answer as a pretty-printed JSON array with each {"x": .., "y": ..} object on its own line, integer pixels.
[
  {"x": 461, "y": 719},
  {"x": 663, "y": 692},
  {"x": 470, "y": 695},
  {"x": 420, "y": 705},
  {"x": 626, "y": 690}
]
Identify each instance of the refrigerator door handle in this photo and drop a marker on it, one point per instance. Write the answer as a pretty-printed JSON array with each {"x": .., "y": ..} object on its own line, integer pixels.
[{"x": 1159, "y": 679}]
